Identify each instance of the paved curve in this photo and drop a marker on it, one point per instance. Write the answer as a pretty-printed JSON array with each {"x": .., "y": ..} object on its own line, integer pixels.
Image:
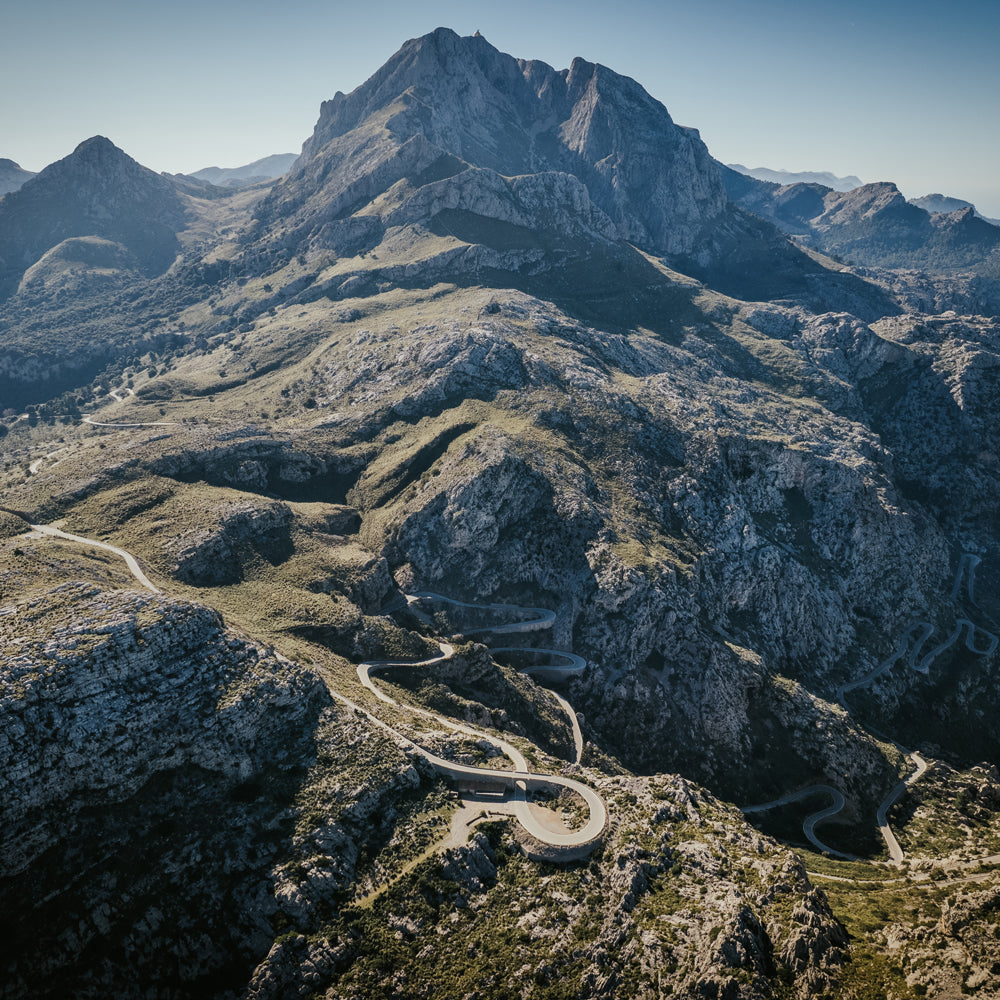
[
  {"x": 961, "y": 625},
  {"x": 520, "y": 779},
  {"x": 37, "y": 463},
  {"x": 573, "y": 667},
  {"x": 540, "y": 617},
  {"x": 809, "y": 823},
  {"x": 130, "y": 560},
  {"x": 882, "y": 815},
  {"x": 966, "y": 567},
  {"x": 150, "y": 423},
  {"x": 970, "y": 562},
  {"x": 574, "y": 723}
]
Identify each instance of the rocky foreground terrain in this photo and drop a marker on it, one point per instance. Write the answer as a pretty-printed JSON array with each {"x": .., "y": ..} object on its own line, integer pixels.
[{"x": 509, "y": 336}]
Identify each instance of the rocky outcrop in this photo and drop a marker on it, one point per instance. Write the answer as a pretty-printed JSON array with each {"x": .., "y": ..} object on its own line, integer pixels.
[
  {"x": 86, "y": 678},
  {"x": 444, "y": 106},
  {"x": 215, "y": 554},
  {"x": 145, "y": 755},
  {"x": 668, "y": 901},
  {"x": 257, "y": 463}
]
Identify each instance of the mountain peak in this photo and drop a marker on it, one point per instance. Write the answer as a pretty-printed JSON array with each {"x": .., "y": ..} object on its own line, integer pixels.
[
  {"x": 458, "y": 98},
  {"x": 97, "y": 144},
  {"x": 98, "y": 190}
]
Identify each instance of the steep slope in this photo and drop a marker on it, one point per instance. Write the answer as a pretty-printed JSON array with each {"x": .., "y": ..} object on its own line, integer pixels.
[
  {"x": 95, "y": 191},
  {"x": 138, "y": 737},
  {"x": 445, "y": 105}
]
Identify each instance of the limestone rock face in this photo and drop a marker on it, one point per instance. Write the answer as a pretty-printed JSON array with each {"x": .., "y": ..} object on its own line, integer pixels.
[
  {"x": 121, "y": 686},
  {"x": 444, "y": 106},
  {"x": 780, "y": 532},
  {"x": 140, "y": 757},
  {"x": 214, "y": 554}
]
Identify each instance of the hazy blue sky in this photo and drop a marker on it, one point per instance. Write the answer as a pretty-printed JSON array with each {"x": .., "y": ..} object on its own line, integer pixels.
[{"x": 885, "y": 89}]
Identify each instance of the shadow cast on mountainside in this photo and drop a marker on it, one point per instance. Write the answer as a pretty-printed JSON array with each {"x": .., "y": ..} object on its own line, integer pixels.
[
  {"x": 613, "y": 286},
  {"x": 193, "y": 847},
  {"x": 749, "y": 259},
  {"x": 946, "y": 710}
]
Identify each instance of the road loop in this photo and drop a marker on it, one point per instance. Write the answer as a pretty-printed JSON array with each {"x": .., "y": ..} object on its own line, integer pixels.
[{"x": 521, "y": 782}]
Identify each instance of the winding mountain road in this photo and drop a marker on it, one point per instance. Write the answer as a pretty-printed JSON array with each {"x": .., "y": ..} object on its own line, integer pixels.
[
  {"x": 809, "y": 823},
  {"x": 520, "y": 781},
  {"x": 130, "y": 560},
  {"x": 924, "y": 630},
  {"x": 539, "y": 618}
]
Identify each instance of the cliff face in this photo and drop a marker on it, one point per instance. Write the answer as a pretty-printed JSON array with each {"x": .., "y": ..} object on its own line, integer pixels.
[
  {"x": 145, "y": 756},
  {"x": 710, "y": 529},
  {"x": 447, "y": 110}
]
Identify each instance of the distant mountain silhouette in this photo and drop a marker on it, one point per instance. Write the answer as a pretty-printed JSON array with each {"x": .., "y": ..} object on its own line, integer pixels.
[
  {"x": 264, "y": 169},
  {"x": 874, "y": 225},
  {"x": 823, "y": 177},
  {"x": 12, "y": 176},
  {"x": 940, "y": 203},
  {"x": 95, "y": 191}
]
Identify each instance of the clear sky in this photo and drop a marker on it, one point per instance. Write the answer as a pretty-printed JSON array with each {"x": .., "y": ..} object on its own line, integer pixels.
[{"x": 901, "y": 90}]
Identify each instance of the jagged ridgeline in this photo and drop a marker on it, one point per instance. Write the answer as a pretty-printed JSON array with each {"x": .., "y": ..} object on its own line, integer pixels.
[{"x": 504, "y": 431}]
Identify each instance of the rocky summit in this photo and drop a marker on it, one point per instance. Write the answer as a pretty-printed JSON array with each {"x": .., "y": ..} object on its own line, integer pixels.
[{"x": 506, "y": 555}]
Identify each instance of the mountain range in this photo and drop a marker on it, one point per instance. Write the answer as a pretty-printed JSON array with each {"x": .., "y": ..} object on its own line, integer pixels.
[
  {"x": 875, "y": 226},
  {"x": 785, "y": 177},
  {"x": 944, "y": 204},
  {"x": 264, "y": 169},
  {"x": 503, "y": 385}
]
